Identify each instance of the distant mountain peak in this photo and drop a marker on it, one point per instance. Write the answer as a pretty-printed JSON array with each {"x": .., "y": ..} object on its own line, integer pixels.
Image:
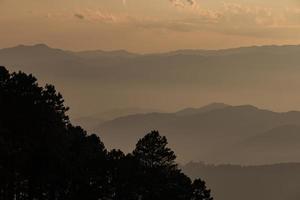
[
  {"x": 39, "y": 45},
  {"x": 101, "y": 53},
  {"x": 248, "y": 107},
  {"x": 203, "y": 109},
  {"x": 216, "y": 105},
  {"x": 40, "y": 48}
]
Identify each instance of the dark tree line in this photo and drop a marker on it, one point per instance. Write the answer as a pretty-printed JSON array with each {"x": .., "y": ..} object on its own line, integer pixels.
[{"x": 44, "y": 157}]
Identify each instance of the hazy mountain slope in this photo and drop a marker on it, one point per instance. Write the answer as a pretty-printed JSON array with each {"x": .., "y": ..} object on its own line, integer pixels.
[
  {"x": 201, "y": 66},
  {"x": 96, "y": 54},
  {"x": 273, "y": 49},
  {"x": 95, "y": 81},
  {"x": 92, "y": 122},
  {"x": 41, "y": 60},
  {"x": 208, "y": 134},
  {"x": 53, "y": 63},
  {"x": 278, "y": 144},
  {"x": 182, "y": 66},
  {"x": 193, "y": 111},
  {"x": 106, "y": 80},
  {"x": 230, "y": 182}
]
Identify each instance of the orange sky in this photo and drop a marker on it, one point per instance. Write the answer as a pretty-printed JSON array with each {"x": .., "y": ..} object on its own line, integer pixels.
[{"x": 149, "y": 25}]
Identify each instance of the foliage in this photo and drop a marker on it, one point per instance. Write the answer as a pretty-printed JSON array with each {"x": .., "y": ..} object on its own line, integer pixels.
[{"x": 44, "y": 157}]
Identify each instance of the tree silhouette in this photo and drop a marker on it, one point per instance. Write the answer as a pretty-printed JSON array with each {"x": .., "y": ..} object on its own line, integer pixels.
[
  {"x": 152, "y": 152},
  {"x": 158, "y": 175},
  {"x": 44, "y": 157},
  {"x": 200, "y": 192}
]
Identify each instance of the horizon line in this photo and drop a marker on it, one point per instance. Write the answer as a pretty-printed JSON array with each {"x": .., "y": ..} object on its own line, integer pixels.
[{"x": 150, "y": 53}]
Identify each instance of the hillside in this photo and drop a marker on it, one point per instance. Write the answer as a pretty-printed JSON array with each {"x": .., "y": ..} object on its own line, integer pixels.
[
  {"x": 234, "y": 182},
  {"x": 216, "y": 135},
  {"x": 92, "y": 122},
  {"x": 278, "y": 144}
]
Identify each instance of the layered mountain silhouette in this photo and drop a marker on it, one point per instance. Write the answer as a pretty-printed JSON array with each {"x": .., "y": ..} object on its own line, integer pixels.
[
  {"x": 216, "y": 133},
  {"x": 280, "y": 144},
  {"x": 106, "y": 80},
  {"x": 234, "y": 182},
  {"x": 96, "y": 81},
  {"x": 207, "y": 108},
  {"x": 136, "y": 67},
  {"x": 92, "y": 122}
]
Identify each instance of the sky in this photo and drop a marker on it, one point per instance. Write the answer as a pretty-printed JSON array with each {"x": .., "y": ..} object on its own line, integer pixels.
[{"x": 146, "y": 26}]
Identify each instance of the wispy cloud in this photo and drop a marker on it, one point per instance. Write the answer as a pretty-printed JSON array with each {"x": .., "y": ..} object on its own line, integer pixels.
[
  {"x": 98, "y": 15},
  {"x": 183, "y": 3},
  {"x": 191, "y": 2},
  {"x": 177, "y": 3},
  {"x": 79, "y": 16},
  {"x": 229, "y": 18}
]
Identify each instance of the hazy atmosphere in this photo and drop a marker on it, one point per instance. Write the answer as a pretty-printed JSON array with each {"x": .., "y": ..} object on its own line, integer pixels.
[
  {"x": 144, "y": 26},
  {"x": 149, "y": 100}
]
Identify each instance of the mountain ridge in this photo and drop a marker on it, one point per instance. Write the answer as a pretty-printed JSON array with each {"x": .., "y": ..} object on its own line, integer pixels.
[
  {"x": 106, "y": 82},
  {"x": 210, "y": 134},
  {"x": 172, "y": 52}
]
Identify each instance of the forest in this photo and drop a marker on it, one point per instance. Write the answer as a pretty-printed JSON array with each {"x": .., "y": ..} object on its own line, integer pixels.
[{"x": 44, "y": 157}]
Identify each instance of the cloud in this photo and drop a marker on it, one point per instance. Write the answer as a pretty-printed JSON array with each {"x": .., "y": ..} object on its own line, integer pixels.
[
  {"x": 229, "y": 18},
  {"x": 177, "y": 3},
  {"x": 191, "y": 2},
  {"x": 79, "y": 16},
  {"x": 183, "y": 3},
  {"x": 98, "y": 16}
]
